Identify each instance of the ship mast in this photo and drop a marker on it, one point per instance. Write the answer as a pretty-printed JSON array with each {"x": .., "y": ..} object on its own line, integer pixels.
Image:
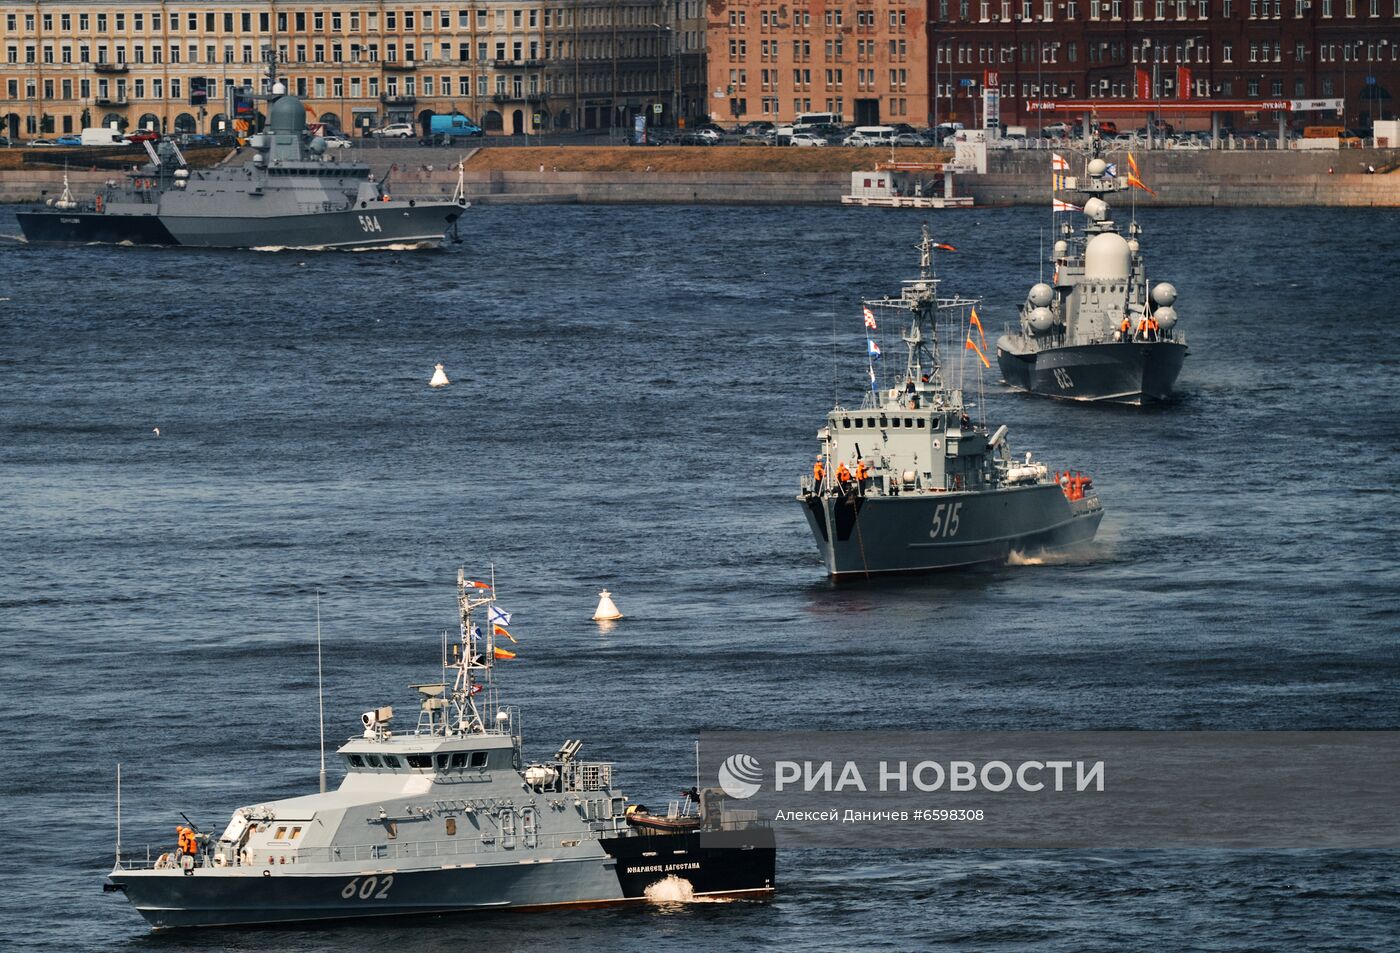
[
  {"x": 923, "y": 303},
  {"x": 473, "y": 657}
]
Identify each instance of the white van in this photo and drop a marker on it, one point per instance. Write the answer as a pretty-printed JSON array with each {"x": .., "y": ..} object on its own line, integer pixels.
[
  {"x": 871, "y": 136},
  {"x": 101, "y": 136}
]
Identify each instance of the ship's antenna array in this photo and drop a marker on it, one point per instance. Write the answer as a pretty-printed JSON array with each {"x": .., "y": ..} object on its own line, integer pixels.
[
  {"x": 119, "y": 813},
  {"x": 320, "y": 692}
]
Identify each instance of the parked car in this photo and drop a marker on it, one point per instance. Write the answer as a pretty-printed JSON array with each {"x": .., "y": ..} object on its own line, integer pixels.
[
  {"x": 911, "y": 139},
  {"x": 142, "y": 135},
  {"x": 1056, "y": 130},
  {"x": 395, "y": 130},
  {"x": 710, "y": 134},
  {"x": 694, "y": 138},
  {"x": 806, "y": 140},
  {"x": 757, "y": 139},
  {"x": 5, "y": 142},
  {"x": 39, "y": 142},
  {"x": 68, "y": 141},
  {"x": 335, "y": 140}
]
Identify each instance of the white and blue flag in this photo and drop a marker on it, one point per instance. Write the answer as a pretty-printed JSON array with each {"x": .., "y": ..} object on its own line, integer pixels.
[
  {"x": 498, "y": 616},
  {"x": 1111, "y": 170},
  {"x": 874, "y": 348}
]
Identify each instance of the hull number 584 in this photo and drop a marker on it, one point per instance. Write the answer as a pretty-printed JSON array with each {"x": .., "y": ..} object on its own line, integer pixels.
[
  {"x": 945, "y": 521},
  {"x": 371, "y": 888},
  {"x": 370, "y": 223}
]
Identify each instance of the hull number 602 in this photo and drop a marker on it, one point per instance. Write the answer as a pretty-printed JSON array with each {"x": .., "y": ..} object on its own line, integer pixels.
[
  {"x": 371, "y": 888},
  {"x": 945, "y": 521}
]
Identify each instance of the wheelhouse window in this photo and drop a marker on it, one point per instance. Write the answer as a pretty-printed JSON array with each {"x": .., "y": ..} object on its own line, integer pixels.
[
  {"x": 420, "y": 760},
  {"x": 373, "y": 761},
  {"x": 478, "y": 759},
  {"x": 392, "y": 761},
  {"x": 356, "y": 761},
  {"x": 459, "y": 760},
  {"x": 846, "y": 422},
  {"x": 443, "y": 760}
]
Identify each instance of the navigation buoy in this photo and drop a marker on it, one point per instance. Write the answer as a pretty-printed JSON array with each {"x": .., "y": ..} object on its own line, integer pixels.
[
  {"x": 607, "y": 609},
  {"x": 439, "y": 377}
]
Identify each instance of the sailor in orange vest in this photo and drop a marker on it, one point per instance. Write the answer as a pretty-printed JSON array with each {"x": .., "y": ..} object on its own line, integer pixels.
[
  {"x": 1152, "y": 327},
  {"x": 186, "y": 840},
  {"x": 843, "y": 475},
  {"x": 818, "y": 472},
  {"x": 1142, "y": 329},
  {"x": 1126, "y": 328},
  {"x": 862, "y": 472}
]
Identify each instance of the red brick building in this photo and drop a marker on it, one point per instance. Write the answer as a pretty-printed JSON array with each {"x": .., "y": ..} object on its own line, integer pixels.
[
  {"x": 866, "y": 60},
  {"x": 1222, "y": 49}
]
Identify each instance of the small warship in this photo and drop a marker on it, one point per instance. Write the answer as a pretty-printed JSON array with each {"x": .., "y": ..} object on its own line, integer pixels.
[
  {"x": 447, "y": 817},
  {"x": 1094, "y": 332},
  {"x": 908, "y": 482},
  {"x": 289, "y": 194}
]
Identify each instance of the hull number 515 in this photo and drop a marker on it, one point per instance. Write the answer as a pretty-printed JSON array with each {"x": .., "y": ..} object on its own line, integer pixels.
[
  {"x": 945, "y": 520},
  {"x": 371, "y": 888}
]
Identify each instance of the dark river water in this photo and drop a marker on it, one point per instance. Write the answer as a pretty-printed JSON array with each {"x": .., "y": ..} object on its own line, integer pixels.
[{"x": 636, "y": 393}]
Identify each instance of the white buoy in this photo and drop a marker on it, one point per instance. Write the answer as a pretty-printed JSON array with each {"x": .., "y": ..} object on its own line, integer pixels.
[
  {"x": 607, "y": 609},
  {"x": 439, "y": 377}
]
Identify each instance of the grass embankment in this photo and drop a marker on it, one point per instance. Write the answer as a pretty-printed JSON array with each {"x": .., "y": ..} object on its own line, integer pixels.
[
  {"x": 689, "y": 158},
  {"x": 83, "y": 158}
]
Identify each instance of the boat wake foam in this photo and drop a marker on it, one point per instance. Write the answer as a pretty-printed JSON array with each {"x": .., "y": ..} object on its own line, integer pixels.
[
  {"x": 677, "y": 890},
  {"x": 1081, "y": 555}
]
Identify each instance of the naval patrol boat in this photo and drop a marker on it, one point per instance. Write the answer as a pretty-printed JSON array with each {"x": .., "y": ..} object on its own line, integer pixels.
[
  {"x": 289, "y": 194},
  {"x": 449, "y": 816},
  {"x": 1093, "y": 332},
  {"x": 907, "y": 482}
]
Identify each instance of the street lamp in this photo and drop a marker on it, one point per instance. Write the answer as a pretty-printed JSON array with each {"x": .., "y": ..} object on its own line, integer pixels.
[{"x": 675, "y": 68}]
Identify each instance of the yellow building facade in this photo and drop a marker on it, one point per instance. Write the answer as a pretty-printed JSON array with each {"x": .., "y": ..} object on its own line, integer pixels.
[{"x": 514, "y": 68}]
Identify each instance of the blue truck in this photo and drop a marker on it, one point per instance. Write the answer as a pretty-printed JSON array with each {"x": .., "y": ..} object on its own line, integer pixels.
[{"x": 453, "y": 126}]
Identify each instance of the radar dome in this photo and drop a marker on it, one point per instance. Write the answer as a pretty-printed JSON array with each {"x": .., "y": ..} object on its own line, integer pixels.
[
  {"x": 1106, "y": 257},
  {"x": 1097, "y": 167},
  {"x": 1041, "y": 295},
  {"x": 279, "y": 88},
  {"x": 1164, "y": 295},
  {"x": 287, "y": 115},
  {"x": 1165, "y": 317},
  {"x": 1042, "y": 319},
  {"x": 1133, "y": 245},
  {"x": 1061, "y": 249},
  {"x": 1096, "y": 209}
]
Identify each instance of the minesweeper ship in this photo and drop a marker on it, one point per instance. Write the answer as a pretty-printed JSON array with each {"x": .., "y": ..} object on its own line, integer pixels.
[
  {"x": 289, "y": 194},
  {"x": 449, "y": 816},
  {"x": 1094, "y": 333},
  {"x": 907, "y": 482}
]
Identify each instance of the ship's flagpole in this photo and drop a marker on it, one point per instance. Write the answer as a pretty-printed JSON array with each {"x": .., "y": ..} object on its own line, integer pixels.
[
  {"x": 118, "y": 862},
  {"x": 320, "y": 692}
]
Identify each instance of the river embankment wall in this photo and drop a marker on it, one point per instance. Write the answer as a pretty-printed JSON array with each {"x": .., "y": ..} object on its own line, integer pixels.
[{"x": 1183, "y": 178}]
